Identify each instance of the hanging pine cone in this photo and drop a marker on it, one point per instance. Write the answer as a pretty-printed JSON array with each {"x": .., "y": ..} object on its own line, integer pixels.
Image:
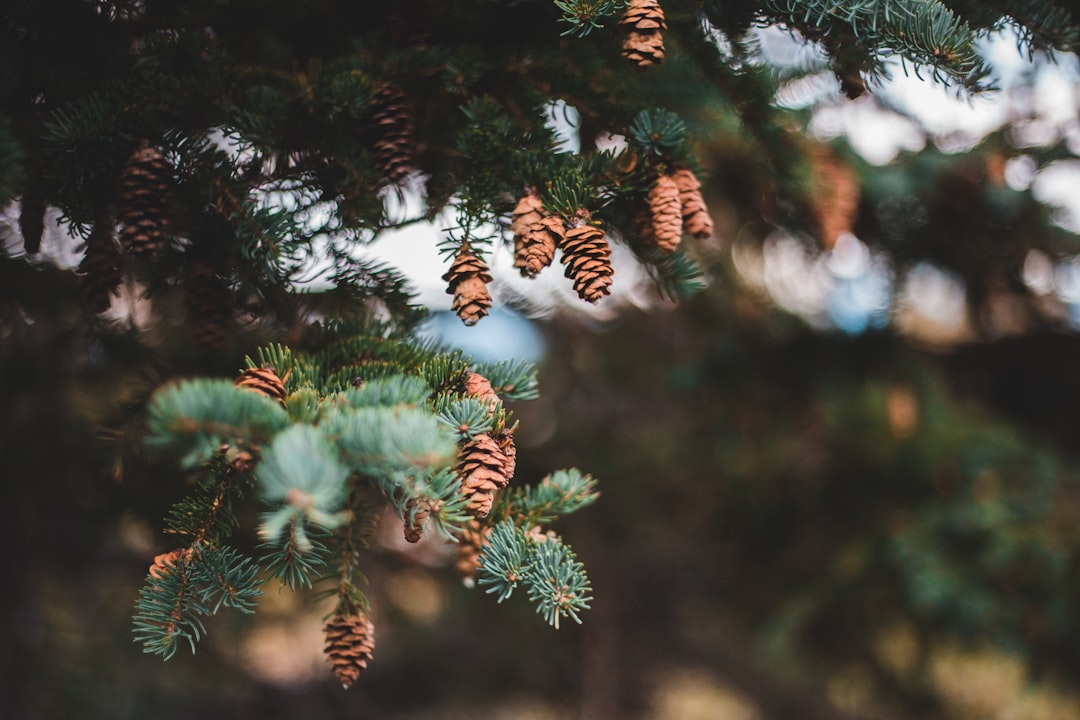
[
  {"x": 99, "y": 271},
  {"x": 350, "y": 644},
  {"x": 666, "y": 214},
  {"x": 143, "y": 199},
  {"x": 263, "y": 380},
  {"x": 479, "y": 387},
  {"x": 468, "y": 278},
  {"x": 414, "y": 521},
  {"x": 535, "y": 235},
  {"x": 834, "y": 194},
  {"x": 467, "y": 551},
  {"x": 208, "y": 303},
  {"x": 393, "y": 128},
  {"x": 587, "y": 257},
  {"x": 695, "y": 214},
  {"x": 644, "y": 42},
  {"x": 482, "y": 468}
]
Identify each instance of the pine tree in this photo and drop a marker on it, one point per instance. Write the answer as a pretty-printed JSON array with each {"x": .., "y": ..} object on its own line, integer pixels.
[{"x": 238, "y": 147}]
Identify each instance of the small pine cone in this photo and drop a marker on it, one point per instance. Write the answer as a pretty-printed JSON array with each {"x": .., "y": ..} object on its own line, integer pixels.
[
  {"x": 482, "y": 469},
  {"x": 467, "y": 551},
  {"x": 99, "y": 271},
  {"x": 208, "y": 303},
  {"x": 468, "y": 278},
  {"x": 644, "y": 42},
  {"x": 142, "y": 201},
  {"x": 529, "y": 210},
  {"x": 414, "y": 521},
  {"x": 263, "y": 380},
  {"x": 393, "y": 128},
  {"x": 164, "y": 562},
  {"x": 479, "y": 387},
  {"x": 534, "y": 249},
  {"x": 695, "y": 214},
  {"x": 350, "y": 644},
  {"x": 835, "y": 195},
  {"x": 666, "y": 212},
  {"x": 587, "y": 257}
]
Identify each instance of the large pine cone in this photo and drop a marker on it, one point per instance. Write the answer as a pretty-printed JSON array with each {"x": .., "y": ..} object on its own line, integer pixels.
[
  {"x": 143, "y": 200},
  {"x": 587, "y": 257},
  {"x": 468, "y": 278},
  {"x": 479, "y": 387},
  {"x": 392, "y": 124},
  {"x": 644, "y": 42},
  {"x": 666, "y": 213},
  {"x": 536, "y": 235},
  {"x": 695, "y": 214},
  {"x": 350, "y": 645},
  {"x": 483, "y": 470}
]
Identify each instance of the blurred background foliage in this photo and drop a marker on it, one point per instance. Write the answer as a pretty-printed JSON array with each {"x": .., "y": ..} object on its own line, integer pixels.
[{"x": 841, "y": 482}]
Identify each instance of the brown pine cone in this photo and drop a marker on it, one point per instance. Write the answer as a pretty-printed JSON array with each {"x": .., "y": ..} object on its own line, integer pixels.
[
  {"x": 479, "y": 387},
  {"x": 263, "y": 380},
  {"x": 587, "y": 257},
  {"x": 468, "y": 548},
  {"x": 644, "y": 42},
  {"x": 414, "y": 521},
  {"x": 666, "y": 214},
  {"x": 506, "y": 444},
  {"x": 468, "y": 278},
  {"x": 393, "y": 127},
  {"x": 536, "y": 235},
  {"x": 350, "y": 645},
  {"x": 695, "y": 214},
  {"x": 835, "y": 195},
  {"x": 482, "y": 469},
  {"x": 143, "y": 202}
]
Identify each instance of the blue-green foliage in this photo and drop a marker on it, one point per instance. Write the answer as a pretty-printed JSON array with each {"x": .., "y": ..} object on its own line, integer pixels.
[
  {"x": 554, "y": 580},
  {"x": 172, "y": 604},
  {"x": 197, "y": 416}
]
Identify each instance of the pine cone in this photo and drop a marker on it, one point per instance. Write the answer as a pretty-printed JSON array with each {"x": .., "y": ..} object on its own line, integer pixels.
[
  {"x": 393, "y": 128},
  {"x": 467, "y": 551},
  {"x": 414, "y": 528},
  {"x": 535, "y": 235},
  {"x": 695, "y": 214},
  {"x": 263, "y": 380},
  {"x": 479, "y": 387},
  {"x": 482, "y": 468},
  {"x": 835, "y": 195},
  {"x": 164, "y": 562},
  {"x": 99, "y": 271},
  {"x": 666, "y": 214},
  {"x": 468, "y": 278},
  {"x": 644, "y": 42},
  {"x": 505, "y": 439},
  {"x": 350, "y": 644},
  {"x": 209, "y": 305},
  {"x": 587, "y": 257},
  {"x": 143, "y": 199}
]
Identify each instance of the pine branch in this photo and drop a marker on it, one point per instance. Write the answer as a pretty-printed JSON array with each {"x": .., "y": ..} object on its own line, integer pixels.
[
  {"x": 511, "y": 379},
  {"x": 197, "y": 416}
]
